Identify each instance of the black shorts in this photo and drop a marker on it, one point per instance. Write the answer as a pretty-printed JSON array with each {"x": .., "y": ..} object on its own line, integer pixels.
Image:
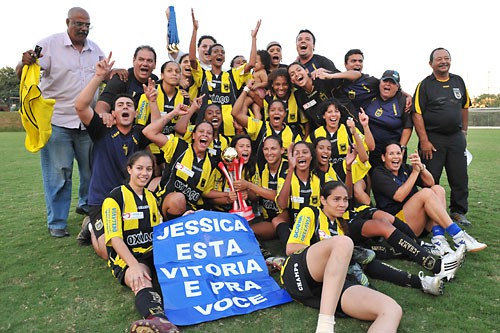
[
  {"x": 356, "y": 223},
  {"x": 298, "y": 282},
  {"x": 95, "y": 215},
  {"x": 119, "y": 270}
]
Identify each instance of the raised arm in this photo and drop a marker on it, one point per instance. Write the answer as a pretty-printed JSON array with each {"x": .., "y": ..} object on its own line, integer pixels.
[
  {"x": 86, "y": 96},
  {"x": 404, "y": 190},
  {"x": 183, "y": 122},
  {"x": 192, "y": 45},
  {"x": 358, "y": 140},
  {"x": 369, "y": 139},
  {"x": 154, "y": 130},
  {"x": 240, "y": 108},
  {"x": 284, "y": 194},
  {"x": 151, "y": 94},
  {"x": 325, "y": 74},
  {"x": 253, "y": 51}
]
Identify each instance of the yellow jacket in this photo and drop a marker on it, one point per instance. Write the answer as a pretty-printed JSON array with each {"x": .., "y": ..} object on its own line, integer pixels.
[{"x": 36, "y": 111}]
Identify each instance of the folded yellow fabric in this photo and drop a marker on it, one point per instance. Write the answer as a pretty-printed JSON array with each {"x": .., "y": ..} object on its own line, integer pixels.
[{"x": 36, "y": 111}]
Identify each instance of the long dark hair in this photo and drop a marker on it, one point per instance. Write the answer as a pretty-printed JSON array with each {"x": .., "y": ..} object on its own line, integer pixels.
[
  {"x": 326, "y": 190},
  {"x": 249, "y": 168},
  {"x": 314, "y": 160}
]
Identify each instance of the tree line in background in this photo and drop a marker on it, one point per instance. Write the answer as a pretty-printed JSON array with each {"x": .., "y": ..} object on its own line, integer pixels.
[{"x": 9, "y": 93}]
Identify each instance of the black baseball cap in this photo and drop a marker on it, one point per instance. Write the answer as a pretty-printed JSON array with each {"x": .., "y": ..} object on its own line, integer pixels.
[{"x": 391, "y": 75}]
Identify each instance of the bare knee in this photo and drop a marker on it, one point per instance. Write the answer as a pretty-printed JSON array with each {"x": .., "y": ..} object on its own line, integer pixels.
[
  {"x": 342, "y": 245},
  {"x": 439, "y": 191},
  {"x": 377, "y": 227},
  {"x": 393, "y": 309},
  {"x": 174, "y": 204}
]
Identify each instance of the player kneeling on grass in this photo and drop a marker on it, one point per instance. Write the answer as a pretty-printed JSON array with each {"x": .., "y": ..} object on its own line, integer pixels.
[
  {"x": 315, "y": 271},
  {"x": 129, "y": 214}
]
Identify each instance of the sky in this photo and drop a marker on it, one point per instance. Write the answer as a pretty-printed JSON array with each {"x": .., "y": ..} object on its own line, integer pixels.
[{"x": 392, "y": 34}]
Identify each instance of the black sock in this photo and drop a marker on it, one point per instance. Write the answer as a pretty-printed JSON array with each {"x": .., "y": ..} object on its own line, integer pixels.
[
  {"x": 412, "y": 250},
  {"x": 382, "y": 271},
  {"x": 404, "y": 227},
  {"x": 283, "y": 232},
  {"x": 148, "y": 303}
]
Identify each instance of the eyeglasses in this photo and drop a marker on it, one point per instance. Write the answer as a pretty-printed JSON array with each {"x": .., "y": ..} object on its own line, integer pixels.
[{"x": 79, "y": 24}]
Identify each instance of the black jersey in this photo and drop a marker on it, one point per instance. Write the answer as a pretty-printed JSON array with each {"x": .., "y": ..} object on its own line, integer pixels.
[
  {"x": 441, "y": 102},
  {"x": 258, "y": 130},
  {"x": 116, "y": 86},
  {"x": 312, "y": 104},
  {"x": 132, "y": 218},
  {"x": 319, "y": 61},
  {"x": 185, "y": 173},
  {"x": 220, "y": 89},
  {"x": 270, "y": 181},
  {"x": 385, "y": 184},
  {"x": 302, "y": 194}
]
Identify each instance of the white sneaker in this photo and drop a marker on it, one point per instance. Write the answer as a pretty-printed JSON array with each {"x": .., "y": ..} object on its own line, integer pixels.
[
  {"x": 450, "y": 263},
  {"x": 441, "y": 246},
  {"x": 431, "y": 284},
  {"x": 470, "y": 243}
]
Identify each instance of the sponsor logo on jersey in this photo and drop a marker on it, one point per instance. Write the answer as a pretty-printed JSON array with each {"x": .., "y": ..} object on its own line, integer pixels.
[{"x": 133, "y": 216}]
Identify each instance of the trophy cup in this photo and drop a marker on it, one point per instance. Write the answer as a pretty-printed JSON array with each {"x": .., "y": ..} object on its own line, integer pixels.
[
  {"x": 173, "y": 36},
  {"x": 232, "y": 167}
]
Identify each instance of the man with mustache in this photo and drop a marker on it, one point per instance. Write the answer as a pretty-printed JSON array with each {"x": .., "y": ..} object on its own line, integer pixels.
[
  {"x": 441, "y": 118},
  {"x": 62, "y": 80}
]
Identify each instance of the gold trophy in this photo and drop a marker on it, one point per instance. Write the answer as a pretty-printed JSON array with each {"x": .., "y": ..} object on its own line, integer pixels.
[{"x": 232, "y": 167}]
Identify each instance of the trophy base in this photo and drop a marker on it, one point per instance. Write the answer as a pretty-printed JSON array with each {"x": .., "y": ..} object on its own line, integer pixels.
[{"x": 246, "y": 213}]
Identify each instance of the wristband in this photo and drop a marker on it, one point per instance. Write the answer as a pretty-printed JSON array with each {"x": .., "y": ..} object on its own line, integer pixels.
[{"x": 246, "y": 89}]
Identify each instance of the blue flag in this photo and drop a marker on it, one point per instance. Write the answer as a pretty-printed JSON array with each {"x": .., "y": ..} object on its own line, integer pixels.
[{"x": 210, "y": 266}]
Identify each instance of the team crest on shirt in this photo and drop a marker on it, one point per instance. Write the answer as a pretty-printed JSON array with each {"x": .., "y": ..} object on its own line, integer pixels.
[
  {"x": 351, "y": 94},
  {"x": 98, "y": 225},
  {"x": 314, "y": 200},
  {"x": 343, "y": 146},
  {"x": 203, "y": 181},
  {"x": 457, "y": 93},
  {"x": 379, "y": 112},
  {"x": 226, "y": 86}
]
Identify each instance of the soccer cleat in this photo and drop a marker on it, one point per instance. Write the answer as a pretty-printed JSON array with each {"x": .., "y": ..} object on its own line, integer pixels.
[
  {"x": 431, "y": 284},
  {"x": 275, "y": 263},
  {"x": 460, "y": 219},
  {"x": 430, "y": 248},
  {"x": 83, "y": 237},
  {"x": 357, "y": 273},
  {"x": 441, "y": 246},
  {"x": 153, "y": 325},
  {"x": 450, "y": 263},
  {"x": 363, "y": 256},
  {"x": 471, "y": 244}
]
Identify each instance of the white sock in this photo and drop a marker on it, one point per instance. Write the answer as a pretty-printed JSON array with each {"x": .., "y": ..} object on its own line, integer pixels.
[{"x": 326, "y": 324}]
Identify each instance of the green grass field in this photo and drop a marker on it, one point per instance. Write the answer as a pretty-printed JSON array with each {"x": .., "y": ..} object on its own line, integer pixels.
[{"x": 53, "y": 285}]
